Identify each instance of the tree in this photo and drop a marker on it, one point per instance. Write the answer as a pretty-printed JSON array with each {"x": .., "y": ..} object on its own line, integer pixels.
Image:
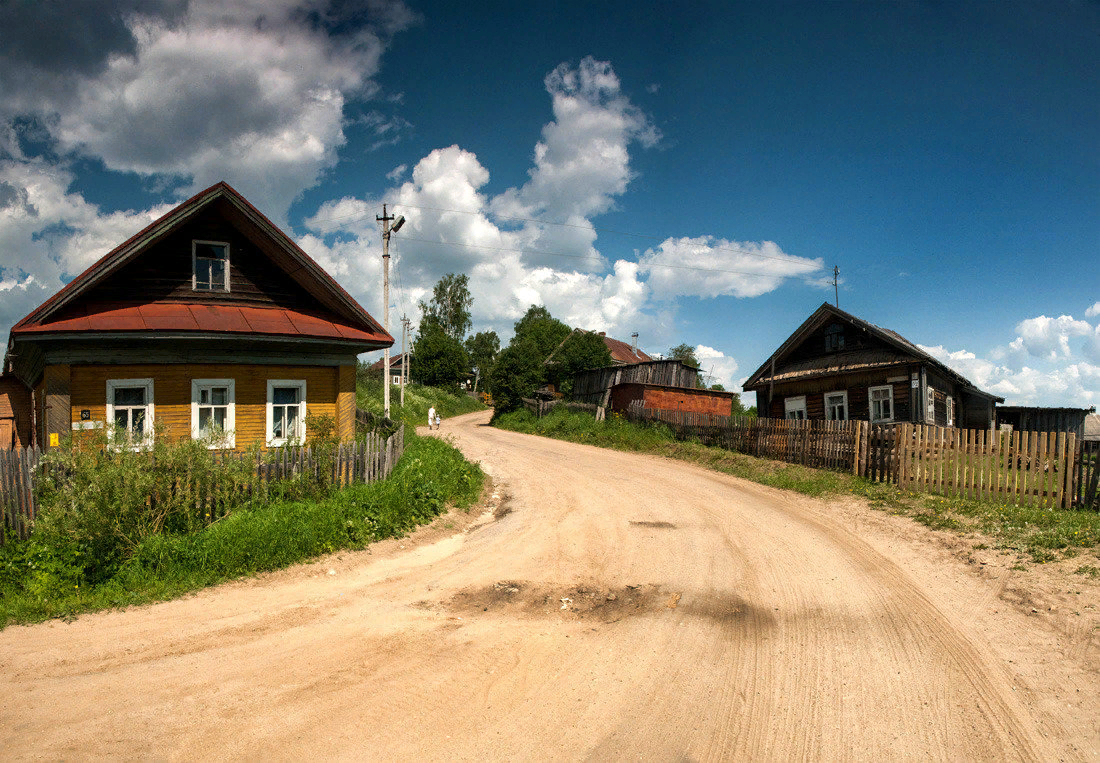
[
  {"x": 718, "y": 388},
  {"x": 440, "y": 359},
  {"x": 450, "y": 306},
  {"x": 483, "y": 349},
  {"x": 685, "y": 353},
  {"x": 581, "y": 351},
  {"x": 520, "y": 369}
]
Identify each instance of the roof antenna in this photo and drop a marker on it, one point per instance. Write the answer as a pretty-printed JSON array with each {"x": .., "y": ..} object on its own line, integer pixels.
[{"x": 836, "y": 290}]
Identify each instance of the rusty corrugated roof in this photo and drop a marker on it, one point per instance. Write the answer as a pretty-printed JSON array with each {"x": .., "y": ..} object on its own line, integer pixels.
[
  {"x": 175, "y": 317},
  {"x": 621, "y": 352}
]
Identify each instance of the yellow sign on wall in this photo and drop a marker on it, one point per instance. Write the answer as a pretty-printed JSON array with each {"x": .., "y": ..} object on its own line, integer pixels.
[{"x": 54, "y": 441}]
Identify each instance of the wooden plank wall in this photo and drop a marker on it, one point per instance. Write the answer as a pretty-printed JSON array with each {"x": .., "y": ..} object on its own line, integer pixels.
[{"x": 369, "y": 460}]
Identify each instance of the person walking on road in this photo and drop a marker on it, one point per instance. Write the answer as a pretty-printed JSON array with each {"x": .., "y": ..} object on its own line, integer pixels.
[{"x": 431, "y": 417}]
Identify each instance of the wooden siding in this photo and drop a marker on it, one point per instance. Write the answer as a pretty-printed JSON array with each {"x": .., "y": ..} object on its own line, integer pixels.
[
  {"x": 345, "y": 403},
  {"x": 593, "y": 385},
  {"x": 172, "y": 394},
  {"x": 18, "y": 399},
  {"x": 855, "y": 339},
  {"x": 163, "y": 273},
  {"x": 857, "y": 387}
]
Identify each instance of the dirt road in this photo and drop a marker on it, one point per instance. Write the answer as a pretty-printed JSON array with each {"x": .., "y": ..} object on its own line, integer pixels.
[{"x": 617, "y": 606}]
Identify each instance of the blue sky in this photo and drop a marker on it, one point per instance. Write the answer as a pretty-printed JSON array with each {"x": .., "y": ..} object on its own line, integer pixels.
[{"x": 691, "y": 172}]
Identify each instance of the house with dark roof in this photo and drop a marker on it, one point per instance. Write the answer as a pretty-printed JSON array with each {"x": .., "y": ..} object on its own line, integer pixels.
[
  {"x": 397, "y": 364},
  {"x": 209, "y": 323},
  {"x": 838, "y": 366}
]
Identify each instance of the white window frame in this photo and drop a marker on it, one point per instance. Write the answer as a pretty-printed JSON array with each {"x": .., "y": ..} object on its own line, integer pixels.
[
  {"x": 930, "y": 406},
  {"x": 397, "y": 380},
  {"x": 146, "y": 440},
  {"x": 229, "y": 438},
  {"x": 950, "y": 411},
  {"x": 871, "y": 404},
  {"x": 195, "y": 261},
  {"x": 300, "y": 436},
  {"x": 829, "y": 411},
  {"x": 794, "y": 405}
]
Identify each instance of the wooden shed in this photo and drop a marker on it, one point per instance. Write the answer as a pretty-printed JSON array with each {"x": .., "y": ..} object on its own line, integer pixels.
[
  {"x": 594, "y": 386},
  {"x": 1023, "y": 418},
  {"x": 685, "y": 399}
]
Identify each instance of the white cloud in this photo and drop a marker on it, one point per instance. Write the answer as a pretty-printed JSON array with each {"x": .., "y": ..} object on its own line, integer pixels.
[
  {"x": 710, "y": 267},
  {"x": 1093, "y": 311},
  {"x": 717, "y": 367},
  {"x": 252, "y": 93},
  {"x": 1044, "y": 337}
]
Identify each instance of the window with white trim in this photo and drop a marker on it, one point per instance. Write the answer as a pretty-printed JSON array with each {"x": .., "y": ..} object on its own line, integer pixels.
[
  {"x": 210, "y": 261},
  {"x": 795, "y": 407},
  {"x": 882, "y": 404},
  {"x": 286, "y": 411},
  {"x": 130, "y": 411},
  {"x": 950, "y": 411},
  {"x": 836, "y": 406},
  {"x": 930, "y": 407},
  {"x": 213, "y": 411}
]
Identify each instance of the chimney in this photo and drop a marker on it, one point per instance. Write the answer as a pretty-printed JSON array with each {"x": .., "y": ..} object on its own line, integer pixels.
[
  {"x": 603, "y": 333},
  {"x": 634, "y": 343}
]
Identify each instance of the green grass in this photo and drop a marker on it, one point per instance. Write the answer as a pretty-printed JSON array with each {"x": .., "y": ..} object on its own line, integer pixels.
[
  {"x": 1035, "y": 534},
  {"x": 44, "y": 578},
  {"x": 418, "y": 399}
]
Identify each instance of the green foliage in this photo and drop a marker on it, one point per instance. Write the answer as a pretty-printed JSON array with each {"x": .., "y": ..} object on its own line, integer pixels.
[
  {"x": 520, "y": 369},
  {"x": 441, "y": 360},
  {"x": 580, "y": 352},
  {"x": 483, "y": 348},
  {"x": 449, "y": 308},
  {"x": 685, "y": 353},
  {"x": 46, "y": 575}
]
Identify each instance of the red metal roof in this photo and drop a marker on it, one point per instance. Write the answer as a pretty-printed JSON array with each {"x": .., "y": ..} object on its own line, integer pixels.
[
  {"x": 175, "y": 317},
  {"x": 621, "y": 352}
]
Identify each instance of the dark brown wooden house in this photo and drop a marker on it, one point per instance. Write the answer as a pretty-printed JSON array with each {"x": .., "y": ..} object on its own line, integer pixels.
[
  {"x": 211, "y": 322},
  {"x": 837, "y": 366}
]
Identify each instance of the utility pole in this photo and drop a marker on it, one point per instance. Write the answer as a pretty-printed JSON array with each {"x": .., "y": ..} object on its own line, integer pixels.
[
  {"x": 404, "y": 357},
  {"x": 386, "y": 231},
  {"x": 836, "y": 290}
]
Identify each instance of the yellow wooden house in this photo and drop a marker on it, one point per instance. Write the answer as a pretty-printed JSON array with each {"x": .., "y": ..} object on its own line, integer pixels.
[{"x": 211, "y": 323}]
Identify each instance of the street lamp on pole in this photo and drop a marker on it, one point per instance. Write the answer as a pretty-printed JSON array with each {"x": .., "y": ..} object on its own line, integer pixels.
[{"x": 386, "y": 231}]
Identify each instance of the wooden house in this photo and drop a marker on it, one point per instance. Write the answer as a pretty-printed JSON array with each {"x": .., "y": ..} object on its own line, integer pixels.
[
  {"x": 837, "y": 366},
  {"x": 209, "y": 323},
  {"x": 397, "y": 363}
]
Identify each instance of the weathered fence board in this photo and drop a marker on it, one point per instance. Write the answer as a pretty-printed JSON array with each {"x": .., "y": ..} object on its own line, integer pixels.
[{"x": 1050, "y": 470}]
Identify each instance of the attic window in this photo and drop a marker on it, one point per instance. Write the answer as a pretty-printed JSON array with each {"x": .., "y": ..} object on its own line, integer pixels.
[
  {"x": 211, "y": 266},
  {"x": 834, "y": 338}
]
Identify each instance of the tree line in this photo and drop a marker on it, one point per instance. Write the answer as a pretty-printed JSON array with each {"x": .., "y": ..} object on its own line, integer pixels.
[{"x": 543, "y": 349}]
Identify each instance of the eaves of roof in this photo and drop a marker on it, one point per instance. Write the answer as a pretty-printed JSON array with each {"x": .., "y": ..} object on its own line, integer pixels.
[{"x": 206, "y": 319}]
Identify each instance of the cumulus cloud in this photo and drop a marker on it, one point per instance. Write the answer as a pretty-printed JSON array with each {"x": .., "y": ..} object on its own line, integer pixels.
[
  {"x": 706, "y": 266},
  {"x": 1093, "y": 311},
  {"x": 1044, "y": 337},
  {"x": 717, "y": 367},
  {"x": 202, "y": 91}
]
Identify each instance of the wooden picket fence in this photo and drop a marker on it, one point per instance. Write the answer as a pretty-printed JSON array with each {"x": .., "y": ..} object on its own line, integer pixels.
[
  {"x": 370, "y": 459},
  {"x": 1036, "y": 468}
]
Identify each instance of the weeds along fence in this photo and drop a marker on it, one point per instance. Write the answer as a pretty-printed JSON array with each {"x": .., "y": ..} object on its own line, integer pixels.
[
  {"x": 1035, "y": 468},
  {"x": 370, "y": 459}
]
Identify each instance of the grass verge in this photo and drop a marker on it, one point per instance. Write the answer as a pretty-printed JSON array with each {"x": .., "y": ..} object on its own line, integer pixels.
[
  {"x": 41, "y": 580},
  {"x": 1034, "y": 534}
]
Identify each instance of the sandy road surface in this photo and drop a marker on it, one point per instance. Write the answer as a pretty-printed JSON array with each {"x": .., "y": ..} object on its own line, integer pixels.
[{"x": 621, "y": 607}]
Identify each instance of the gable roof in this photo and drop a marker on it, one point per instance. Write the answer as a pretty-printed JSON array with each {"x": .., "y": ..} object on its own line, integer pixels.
[
  {"x": 899, "y": 351},
  {"x": 342, "y": 319},
  {"x": 624, "y": 353},
  {"x": 395, "y": 362}
]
